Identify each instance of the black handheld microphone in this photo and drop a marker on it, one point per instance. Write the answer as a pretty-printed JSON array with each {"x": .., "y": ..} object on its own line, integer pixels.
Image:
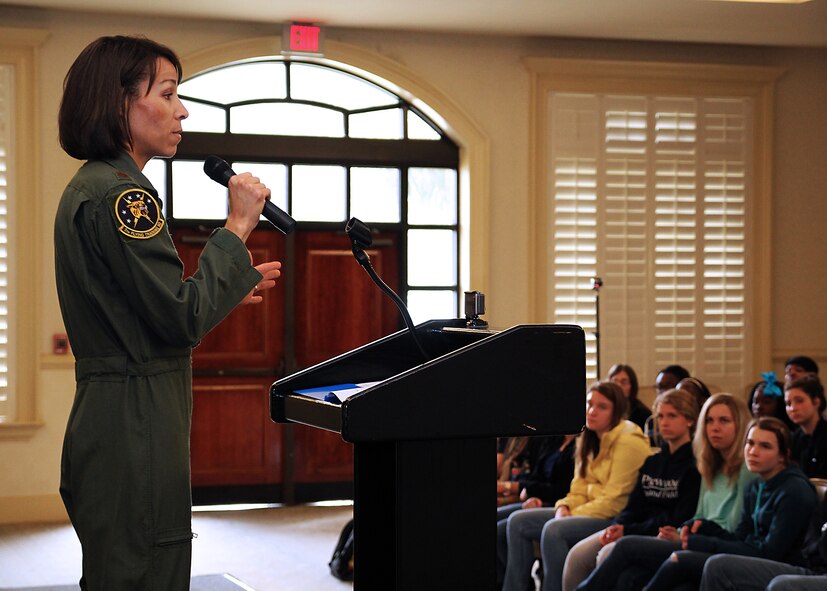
[{"x": 219, "y": 171}]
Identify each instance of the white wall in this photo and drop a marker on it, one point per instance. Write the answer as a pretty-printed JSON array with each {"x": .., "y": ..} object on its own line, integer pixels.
[{"x": 485, "y": 76}]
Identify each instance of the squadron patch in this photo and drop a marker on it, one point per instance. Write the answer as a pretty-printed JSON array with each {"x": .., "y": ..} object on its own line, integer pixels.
[{"x": 138, "y": 214}]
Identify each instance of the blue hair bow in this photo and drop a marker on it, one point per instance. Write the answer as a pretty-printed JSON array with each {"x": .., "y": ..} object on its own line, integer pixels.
[{"x": 770, "y": 386}]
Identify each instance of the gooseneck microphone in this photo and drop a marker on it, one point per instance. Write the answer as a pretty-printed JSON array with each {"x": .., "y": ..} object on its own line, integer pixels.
[
  {"x": 219, "y": 171},
  {"x": 360, "y": 237}
]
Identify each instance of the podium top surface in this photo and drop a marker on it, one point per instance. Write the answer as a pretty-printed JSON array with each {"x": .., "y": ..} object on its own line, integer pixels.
[{"x": 526, "y": 380}]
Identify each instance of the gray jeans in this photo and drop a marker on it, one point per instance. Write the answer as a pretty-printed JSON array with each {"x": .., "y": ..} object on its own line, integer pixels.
[
  {"x": 559, "y": 536},
  {"x": 725, "y": 572},
  {"x": 583, "y": 558},
  {"x": 523, "y": 528}
]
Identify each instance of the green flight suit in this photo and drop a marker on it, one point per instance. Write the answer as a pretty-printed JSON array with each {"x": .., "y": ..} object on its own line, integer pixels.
[{"x": 132, "y": 320}]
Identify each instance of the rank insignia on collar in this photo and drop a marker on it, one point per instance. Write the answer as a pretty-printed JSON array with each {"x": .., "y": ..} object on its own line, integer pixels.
[{"x": 138, "y": 214}]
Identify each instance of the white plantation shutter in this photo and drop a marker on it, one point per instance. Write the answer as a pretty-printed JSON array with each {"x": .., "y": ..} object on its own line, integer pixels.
[
  {"x": 6, "y": 90},
  {"x": 676, "y": 232},
  {"x": 574, "y": 213},
  {"x": 726, "y": 189},
  {"x": 625, "y": 261},
  {"x": 649, "y": 193}
]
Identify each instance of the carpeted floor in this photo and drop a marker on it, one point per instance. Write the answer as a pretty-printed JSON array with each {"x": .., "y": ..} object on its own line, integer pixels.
[
  {"x": 272, "y": 549},
  {"x": 223, "y": 582}
]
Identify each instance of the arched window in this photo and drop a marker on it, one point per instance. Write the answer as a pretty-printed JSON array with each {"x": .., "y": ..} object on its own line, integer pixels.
[{"x": 330, "y": 145}]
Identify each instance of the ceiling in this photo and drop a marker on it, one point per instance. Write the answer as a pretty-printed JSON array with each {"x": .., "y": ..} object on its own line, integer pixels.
[{"x": 709, "y": 21}]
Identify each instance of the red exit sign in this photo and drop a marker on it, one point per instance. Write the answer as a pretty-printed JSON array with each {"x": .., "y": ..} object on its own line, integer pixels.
[{"x": 302, "y": 38}]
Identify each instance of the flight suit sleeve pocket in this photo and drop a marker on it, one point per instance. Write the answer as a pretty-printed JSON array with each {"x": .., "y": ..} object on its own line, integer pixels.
[{"x": 171, "y": 537}]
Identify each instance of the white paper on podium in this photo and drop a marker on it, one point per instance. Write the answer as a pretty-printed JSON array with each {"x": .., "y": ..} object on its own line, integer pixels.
[{"x": 343, "y": 395}]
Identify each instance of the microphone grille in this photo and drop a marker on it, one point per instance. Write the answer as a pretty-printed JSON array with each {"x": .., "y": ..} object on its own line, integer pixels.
[{"x": 217, "y": 169}]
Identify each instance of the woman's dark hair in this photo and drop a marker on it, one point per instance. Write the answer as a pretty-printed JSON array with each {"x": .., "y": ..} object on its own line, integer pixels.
[
  {"x": 780, "y": 407},
  {"x": 782, "y": 434},
  {"x": 627, "y": 369},
  {"x": 514, "y": 448},
  {"x": 695, "y": 387},
  {"x": 810, "y": 385},
  {"x": 804, "y": 362},
  {"x": 678, "y": 371},
  {"x": 588, "y": 441},
  {"x": 97, "y": 91}
]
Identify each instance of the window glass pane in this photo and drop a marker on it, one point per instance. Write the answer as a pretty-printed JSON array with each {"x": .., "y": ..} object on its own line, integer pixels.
[
  {"x": 287, "y": 119},
  {"x": 272, "y": 175},
  {"x": 326, "y": 85},
  {"x": 194, "y": 194},
  {"x": 427, "y": 305},
  {"x": 374, "y": 194},
  {"x": 204, "y": 118},
  {"x": 243, "y": 82},
  {"x": 382, "y": 125},
  {"x": 319, "y": 193},
  {"x": 156, "y": 172},
  {"x": 432, "y": 196},
  {"x": 419, "y": 130},
  {"x": 432, "y": 257}
]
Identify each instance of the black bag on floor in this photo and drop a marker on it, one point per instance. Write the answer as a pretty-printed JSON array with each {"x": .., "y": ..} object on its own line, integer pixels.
[{"x": 341, "y": 563}]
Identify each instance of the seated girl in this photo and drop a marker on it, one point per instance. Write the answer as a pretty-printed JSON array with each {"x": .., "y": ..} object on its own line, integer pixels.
[
  {"x": 692, "y": 385},
  {"x": 799, "y": 366},
  {"x": 549, "y": 478},
  {"x": 766, "y": 399},
  {"x": 625, "y": 377},
  {"x": 666, "y": 492},
  {"x": 720, "y": 461},
  {"x": 512, "y": 462},
  {"x": 778, "y": 505},
  {"x": 805, "y": 403},
  {"x": 550, "y": 468},
  {"x": 608, "y": 455}
]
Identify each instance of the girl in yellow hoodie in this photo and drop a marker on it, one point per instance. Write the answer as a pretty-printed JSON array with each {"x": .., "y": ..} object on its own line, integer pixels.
[{"x": 609, "y": 454}]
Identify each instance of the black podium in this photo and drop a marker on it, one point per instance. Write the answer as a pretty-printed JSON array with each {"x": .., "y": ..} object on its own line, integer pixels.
[{"x": 424, "y": 440}]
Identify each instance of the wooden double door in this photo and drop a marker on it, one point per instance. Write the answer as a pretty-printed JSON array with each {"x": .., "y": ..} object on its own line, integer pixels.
[{"x": 324, "y": 304}]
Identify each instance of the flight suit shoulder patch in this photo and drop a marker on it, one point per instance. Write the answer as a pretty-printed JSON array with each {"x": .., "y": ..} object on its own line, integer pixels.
[{"x": 138, "y": 214}]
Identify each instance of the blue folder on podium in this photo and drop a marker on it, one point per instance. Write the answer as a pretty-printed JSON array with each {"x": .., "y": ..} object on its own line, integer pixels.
[{"x": 337, "y": 393}]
